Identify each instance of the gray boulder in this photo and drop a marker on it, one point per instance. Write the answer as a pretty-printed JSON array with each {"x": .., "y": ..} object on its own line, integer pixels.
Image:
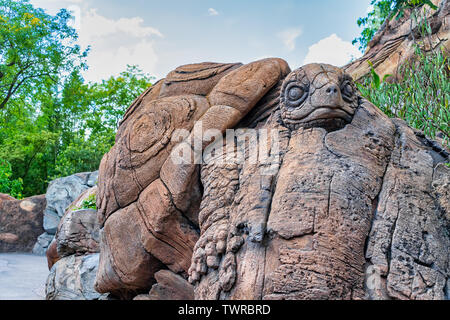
[
  {"x": 79, "y": 233},
  {"x": 60, "y": 194},
  {"x": 43, "y": 242},
  {"x": 73, "y": 278}
]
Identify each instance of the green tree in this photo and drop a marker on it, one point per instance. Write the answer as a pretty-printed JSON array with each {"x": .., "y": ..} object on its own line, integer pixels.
[
  {"x": 421, "y": 98},
  {"x": 111, "y": 97},
  {"x": 94, "y": 111},
  {"x": 28, "y": 151},
  {"x": 35, "y": 48},
  {"x": 53, "y": 123},
  {"x": 8, "y": 185}
]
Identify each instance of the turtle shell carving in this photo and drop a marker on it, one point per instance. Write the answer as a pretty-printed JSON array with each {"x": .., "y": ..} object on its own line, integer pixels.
[{"x": 132, "y": 185}]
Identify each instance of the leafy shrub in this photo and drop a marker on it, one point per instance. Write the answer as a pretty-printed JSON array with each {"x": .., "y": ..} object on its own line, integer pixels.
[
  {"x": 88, "y": 203},
  {"x": 421, "y": 98},
  {"x": 382, "y": 10},
  {"x": 13, "y": 187}
]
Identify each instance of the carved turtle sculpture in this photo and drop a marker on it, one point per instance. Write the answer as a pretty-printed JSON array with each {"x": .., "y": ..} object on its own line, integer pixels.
[
  {"x": 321, "y": 219},
  {"x": 148, "y": 205},
  {"x": 340, "y": 213}
]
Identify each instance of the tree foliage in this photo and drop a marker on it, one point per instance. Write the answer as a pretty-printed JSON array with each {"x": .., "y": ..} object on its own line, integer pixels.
[
  {"x": 92, "y": 113},
  {"x": 421, "y": 94},
  {"x": 52, "y": 122},
  {"x": 8, "y": 185},
  {"x": 422, "y": 98},
  {"x": 35, "y": 48},
  {"x": 89, "y": 203}
]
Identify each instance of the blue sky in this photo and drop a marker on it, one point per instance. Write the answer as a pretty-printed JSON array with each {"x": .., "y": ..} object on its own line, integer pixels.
[{"x": 161, "y": 35}]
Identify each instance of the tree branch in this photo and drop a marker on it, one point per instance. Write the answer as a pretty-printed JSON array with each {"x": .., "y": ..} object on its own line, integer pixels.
[{"x": 16, "y": 85}]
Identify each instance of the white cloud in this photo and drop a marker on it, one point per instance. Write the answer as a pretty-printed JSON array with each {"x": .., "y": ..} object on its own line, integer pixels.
[
  {"x": 104, "y": 62},
  {"x": 289, "y": 36},
  {"x": 213, "y": 12},
  {"x": 116, "y": 43},
  {"x": 332, "y": 50},
  {"x": 93, "y": 25}
]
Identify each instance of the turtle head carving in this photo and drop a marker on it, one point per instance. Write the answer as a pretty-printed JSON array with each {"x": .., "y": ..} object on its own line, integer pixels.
[{"x": 318, "y": 95}]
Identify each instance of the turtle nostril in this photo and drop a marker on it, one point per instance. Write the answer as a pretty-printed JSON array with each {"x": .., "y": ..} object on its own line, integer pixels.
[{"x": 332, "y": 89}]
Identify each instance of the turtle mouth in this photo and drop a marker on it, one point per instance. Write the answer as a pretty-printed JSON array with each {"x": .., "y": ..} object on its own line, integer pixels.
[
  {"x": 327, "y": 112},
  {"x": 331, "y": 118}
]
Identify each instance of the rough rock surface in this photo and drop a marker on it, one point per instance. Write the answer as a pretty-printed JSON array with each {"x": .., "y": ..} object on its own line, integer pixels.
[
  {"x": 20, "y": 223},
  {"x": 346, "y": 204},
  {"x": 72, "y": 278},
  {"x": 169, "y": 286},
  {"x": 72, "y": 256},
  {"x": 394, "y": 43},
  {"x": 409, "y": 245},
  {"x": 78, "y": 231},
  {"x": 147, "y": 203},
  {"x": 42, "y": 244},
  {"x": 350, "y": 213},
  {"x": 6, "y": 197},
  {"x": 60, "y": 194}
]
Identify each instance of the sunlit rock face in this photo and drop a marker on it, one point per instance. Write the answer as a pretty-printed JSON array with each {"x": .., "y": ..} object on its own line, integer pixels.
[{"x": 348, "y": 204}]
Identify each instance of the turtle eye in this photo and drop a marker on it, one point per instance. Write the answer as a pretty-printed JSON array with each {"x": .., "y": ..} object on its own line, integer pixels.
[
  {"x": 347, "y": 90},
  {"x": 296, "y": 94}
]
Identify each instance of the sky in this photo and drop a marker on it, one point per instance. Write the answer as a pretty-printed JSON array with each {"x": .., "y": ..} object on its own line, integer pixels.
[{"x": 159, "y": 35}]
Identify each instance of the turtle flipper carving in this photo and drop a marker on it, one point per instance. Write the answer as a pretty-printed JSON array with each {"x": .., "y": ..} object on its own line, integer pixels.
[
  {"x": 220, "y": 180},
  {"x": 231, "y": 100},
  {"x": 235, "y": 206}
]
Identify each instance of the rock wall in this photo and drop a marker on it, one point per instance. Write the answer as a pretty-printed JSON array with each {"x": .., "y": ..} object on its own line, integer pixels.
[
  {"x": 20, "y": 223},
  {"x": 408, "y": 248},
  {"x": 393, "y": 44}
]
